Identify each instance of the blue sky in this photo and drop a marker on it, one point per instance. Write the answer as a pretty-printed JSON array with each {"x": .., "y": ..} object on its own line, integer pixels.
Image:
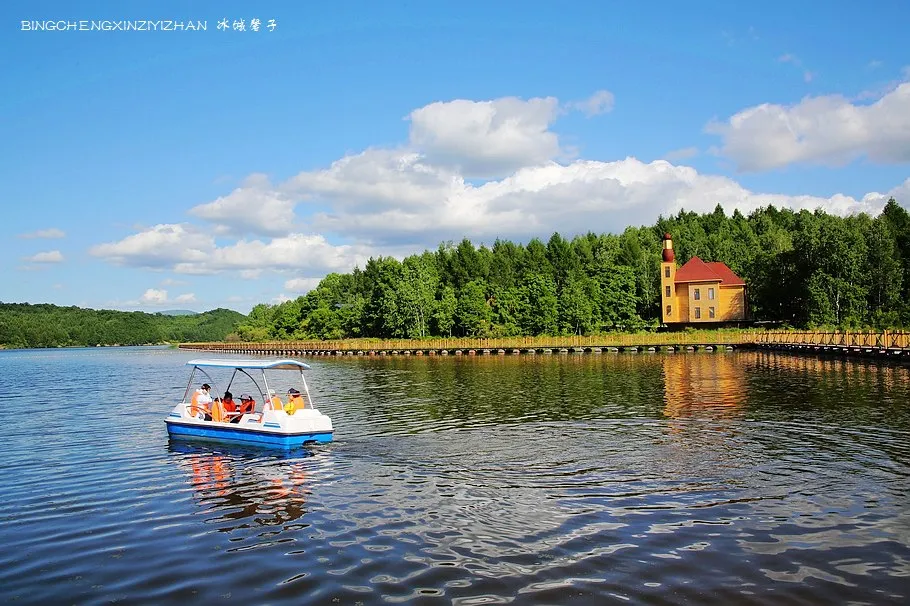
[{"x": 157, "y": 170}]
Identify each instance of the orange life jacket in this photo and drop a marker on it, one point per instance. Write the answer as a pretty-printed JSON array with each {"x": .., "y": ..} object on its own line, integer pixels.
[
  {"x": 194, "y": 404},
  {"x": 295, "y": 402},
  {"x": 218, "y": 412}
]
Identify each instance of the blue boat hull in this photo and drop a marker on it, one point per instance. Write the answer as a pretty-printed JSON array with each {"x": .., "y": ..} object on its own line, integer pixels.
[{"x": 239, "y": 435}]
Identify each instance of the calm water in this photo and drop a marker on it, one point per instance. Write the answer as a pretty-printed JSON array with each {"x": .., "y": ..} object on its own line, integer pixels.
[{"x": 581, "y": 479}]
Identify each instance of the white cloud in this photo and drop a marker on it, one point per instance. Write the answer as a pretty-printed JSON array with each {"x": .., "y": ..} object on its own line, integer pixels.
[
  {"x": 681, "y": 154},
  {"x": 51, "y": 256},
  {"x": 874, "y": 64},
  {"x": 159, "y": 246},
  {"x": 302, "y": 285},
  {"x": 572, "y": 198},
  {"x": 51, "y": 233},
  {"x": 296, "y": 251},
  {"x": 281, "y": 298},
  {"x": 600, "y": 102},
  {"x": 153, "y": 296},
  {"x": 186, "y": 298},
  {"x": 184, "y": 250},
  {"x": 396, "y": 177},
  {"x": 254, "y": 206},
  {"x": 404, "y": 200},
  {"x": 486, "y": 138},
  {"x": 824, "y": 130}
]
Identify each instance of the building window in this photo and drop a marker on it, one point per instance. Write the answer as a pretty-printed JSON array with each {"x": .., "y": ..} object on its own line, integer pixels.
[
  {"x": 710, "y": 312},
  {"x": 667, "y": 271},
  {"x": 697, "y": 294},
  {"x": 668, "y": 291},
  {"x": 697, "y": 312},
  {"x": 711, "y": 294},
  {"x": 669, "y": 311}
]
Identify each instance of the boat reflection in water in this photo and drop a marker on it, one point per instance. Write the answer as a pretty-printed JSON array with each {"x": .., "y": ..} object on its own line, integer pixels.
[
  {"x": 244, "y": 487},
  {"x": 703, "y": 386}
]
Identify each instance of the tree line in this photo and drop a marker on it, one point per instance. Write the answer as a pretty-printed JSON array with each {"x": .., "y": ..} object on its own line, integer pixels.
[
  {"x": 24, "y": 325},
  {"x": 803, "y": 269}
]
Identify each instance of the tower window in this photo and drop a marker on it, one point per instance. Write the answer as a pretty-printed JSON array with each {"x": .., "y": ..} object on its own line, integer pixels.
[
  {"x": 710, "y": 312},
  {"x": 667, "y": 291},
  {"x": 698, "y": 313},
  {"x": 697, "y": 296},
  {"x": 667, "y": 271},
  {"x": 711, "y": 294},
  {"x": 669, "y": 311}
]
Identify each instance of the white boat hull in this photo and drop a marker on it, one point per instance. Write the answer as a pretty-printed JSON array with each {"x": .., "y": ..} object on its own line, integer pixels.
[{"x": 273, "y": 428}]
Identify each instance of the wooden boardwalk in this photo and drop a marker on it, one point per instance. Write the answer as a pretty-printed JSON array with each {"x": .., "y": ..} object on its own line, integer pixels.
[
  {"x": 849, "y": 343},
  {"x": 859, "y": 343}
]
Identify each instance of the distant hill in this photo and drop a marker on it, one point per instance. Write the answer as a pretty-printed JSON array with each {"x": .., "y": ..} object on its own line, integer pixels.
[
  {"x": 25, "y": 325},
  {"x": 179, "y": 312}
]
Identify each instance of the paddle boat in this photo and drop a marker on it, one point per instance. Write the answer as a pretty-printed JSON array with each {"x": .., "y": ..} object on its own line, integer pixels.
[{"x": 276, "y": 423}]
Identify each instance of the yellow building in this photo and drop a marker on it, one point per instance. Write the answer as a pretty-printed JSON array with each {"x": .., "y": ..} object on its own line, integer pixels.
[{"x": 700, "y": 292}]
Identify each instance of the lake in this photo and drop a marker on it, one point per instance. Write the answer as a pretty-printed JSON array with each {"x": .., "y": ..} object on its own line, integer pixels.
[{"x": 696, "y": 478}]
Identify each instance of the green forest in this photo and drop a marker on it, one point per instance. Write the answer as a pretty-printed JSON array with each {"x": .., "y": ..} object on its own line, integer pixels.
[
  {"x": 803, "y": 269},
  {"x": 24, "y": 325}
]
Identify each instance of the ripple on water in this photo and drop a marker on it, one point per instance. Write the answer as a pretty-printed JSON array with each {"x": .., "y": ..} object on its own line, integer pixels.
[{"x": 743, "y": 478}]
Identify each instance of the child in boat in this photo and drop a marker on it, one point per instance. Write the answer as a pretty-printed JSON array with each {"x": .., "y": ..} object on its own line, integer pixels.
[
  {"x": 247, "y": 405},
  {"x": 230, "y": 407},
  {"x": 295, "y": 401}
]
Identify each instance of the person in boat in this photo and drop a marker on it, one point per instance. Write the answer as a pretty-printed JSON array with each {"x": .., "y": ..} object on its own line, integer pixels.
[
  {"x": 200, "y": 405},
  {"x": 218, "y": 411},
  {"x": 247, "y": 404},
  {"x": 275, "y": 401},
  {"x": 295, "y": 401},
  {"x": 230, "y": 407}
]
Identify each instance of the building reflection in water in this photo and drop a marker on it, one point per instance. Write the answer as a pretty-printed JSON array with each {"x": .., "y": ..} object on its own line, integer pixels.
[
  {"x": 703, "y": 385},
  {"x": 244, "y": 487}
]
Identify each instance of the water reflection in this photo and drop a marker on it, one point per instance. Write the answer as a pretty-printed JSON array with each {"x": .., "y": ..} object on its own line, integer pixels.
[
  {"x": 703, "y": 385},
  {"x": 724, "y": 478},
  {"x": 247, "y": 488}
]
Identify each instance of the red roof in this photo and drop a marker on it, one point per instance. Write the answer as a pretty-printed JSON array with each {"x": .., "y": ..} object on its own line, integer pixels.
[
  {"x": 696, "y": 270},
  {"x": 728, "y": 278}
]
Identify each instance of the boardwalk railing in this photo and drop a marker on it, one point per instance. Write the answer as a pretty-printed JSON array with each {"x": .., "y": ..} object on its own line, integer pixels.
[
  {"x": 847, "y": 339},
  {"x": 609, "y": 340},
  {"x": 893, "y": 341}
]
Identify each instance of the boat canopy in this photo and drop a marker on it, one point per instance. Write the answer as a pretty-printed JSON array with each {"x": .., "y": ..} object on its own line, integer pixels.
[{"x": 285, "y": 364}]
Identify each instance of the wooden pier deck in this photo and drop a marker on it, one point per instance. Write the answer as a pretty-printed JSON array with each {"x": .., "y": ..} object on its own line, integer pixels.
[{"x": 878, "y": 344}]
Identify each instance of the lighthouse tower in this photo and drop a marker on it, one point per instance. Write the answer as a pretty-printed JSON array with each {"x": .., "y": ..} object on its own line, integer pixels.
[{"x": 668, "y": 311}]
